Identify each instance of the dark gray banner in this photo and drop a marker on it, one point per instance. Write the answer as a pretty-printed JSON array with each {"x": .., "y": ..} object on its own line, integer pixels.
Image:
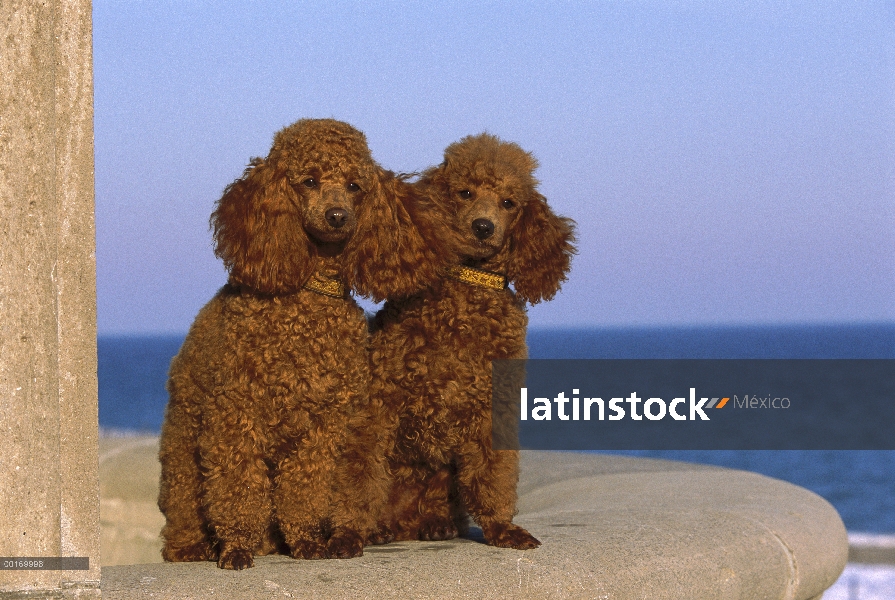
[
  {"x": 755, "y": 404},
  {"x": 44, "y": 563}
]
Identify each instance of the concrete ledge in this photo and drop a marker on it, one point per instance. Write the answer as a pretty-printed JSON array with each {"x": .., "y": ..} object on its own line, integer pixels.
[
  {"x": 611, "y": 527},
  {"x": 870, "y": 549}
]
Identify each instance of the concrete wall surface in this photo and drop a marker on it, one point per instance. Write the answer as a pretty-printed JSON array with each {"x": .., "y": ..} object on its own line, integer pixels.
[
  {"x": 49, "y": 491},
  {"x": 611, "y": 527}
]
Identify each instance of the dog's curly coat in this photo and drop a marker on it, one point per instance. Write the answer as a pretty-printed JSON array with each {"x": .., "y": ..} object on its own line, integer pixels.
[
  {"x": 432, "y": 352},
  {"x": 268, "y": 426}
]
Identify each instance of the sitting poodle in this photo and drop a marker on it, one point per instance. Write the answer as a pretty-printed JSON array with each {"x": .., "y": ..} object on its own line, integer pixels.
[
  {"x": 432, "y": 352},
  {"x": 266, "y": 433}
]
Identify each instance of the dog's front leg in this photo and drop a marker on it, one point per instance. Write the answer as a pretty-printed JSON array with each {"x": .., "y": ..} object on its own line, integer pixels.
[
  {"x": 361, "y": 486},
  {"x": 185, "y": 534},
  {"x": 236, "y": 489},
  {"x": 487, "y": 480},
  {"x": 438, "y": 506},
  {"x": 303, "y": 498}
]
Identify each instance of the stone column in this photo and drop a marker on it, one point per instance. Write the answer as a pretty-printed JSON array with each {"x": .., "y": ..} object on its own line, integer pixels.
[{"x": 49, "y": 487}]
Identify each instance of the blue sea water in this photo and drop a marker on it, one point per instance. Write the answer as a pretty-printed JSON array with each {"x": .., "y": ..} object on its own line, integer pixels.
[{"x": 860, "y": 484}]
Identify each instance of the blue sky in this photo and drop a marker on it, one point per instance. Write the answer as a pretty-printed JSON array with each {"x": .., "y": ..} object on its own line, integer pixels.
[{"x": 726, "y": 162}]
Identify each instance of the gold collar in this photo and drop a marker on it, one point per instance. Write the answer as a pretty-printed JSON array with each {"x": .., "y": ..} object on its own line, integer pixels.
[
  {"x": 478, "y": 277},
  {"x": 326, "y": 286}
]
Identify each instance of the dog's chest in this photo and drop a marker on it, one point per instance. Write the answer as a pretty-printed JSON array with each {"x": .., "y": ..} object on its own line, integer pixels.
[
  {"x": 448, "y": 399},
  {"x": 304, "y": 356},
  {"x": 472, "y": 325}
]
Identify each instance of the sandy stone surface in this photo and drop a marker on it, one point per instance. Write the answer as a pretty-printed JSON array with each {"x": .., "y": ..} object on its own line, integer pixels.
[
  {"x": 612, "y": 527},
  {"x": 130, "y": 521}
]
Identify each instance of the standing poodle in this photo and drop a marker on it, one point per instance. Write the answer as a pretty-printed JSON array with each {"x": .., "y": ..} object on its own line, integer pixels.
[
  {"x": 432, "y": 352},
  {"x": 270, "y": 419}
]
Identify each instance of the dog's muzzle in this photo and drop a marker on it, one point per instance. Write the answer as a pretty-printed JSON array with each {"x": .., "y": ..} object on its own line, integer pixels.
[
  {"x": 336, "y": 217},
  {"x": 482, "y": 228}
]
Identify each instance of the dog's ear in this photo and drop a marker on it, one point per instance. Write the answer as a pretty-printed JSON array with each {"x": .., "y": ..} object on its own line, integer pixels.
[
  {"x": 541, "y": 251},
  {"x": 258, "y": 232},
  {"x": 394, "y": 252}
]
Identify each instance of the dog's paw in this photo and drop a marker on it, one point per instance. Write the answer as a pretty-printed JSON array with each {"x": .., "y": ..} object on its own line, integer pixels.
[
  {"x": 382, "y": 535},
  {"x": 345, "y": 543},
  {"x": 190, "y": 553},
  {"x": 309, "y": 550},
  {"x": 236, "y": 559},
  {"x": 436, "y": 529},
  {"x": 508, "y": 535}
]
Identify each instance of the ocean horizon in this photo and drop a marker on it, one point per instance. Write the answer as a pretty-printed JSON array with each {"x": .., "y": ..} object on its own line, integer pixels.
[{"x": 133, "y": 369}]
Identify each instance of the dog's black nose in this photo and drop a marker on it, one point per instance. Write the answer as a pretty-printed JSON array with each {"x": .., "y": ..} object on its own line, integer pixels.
[
  {"x": 336, "y": 217},
  {"x": 482, "y": 228}
]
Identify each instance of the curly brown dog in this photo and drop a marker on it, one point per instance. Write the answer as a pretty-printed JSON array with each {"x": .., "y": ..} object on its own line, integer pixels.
[
  {"x": 432, "y": 352},
  {"x": 269, "y": 421}
]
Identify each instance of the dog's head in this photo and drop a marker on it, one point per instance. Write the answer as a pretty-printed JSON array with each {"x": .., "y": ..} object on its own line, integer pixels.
[
  {"x": 319, "y": 197},
  {"x": 495, "y": 217}
]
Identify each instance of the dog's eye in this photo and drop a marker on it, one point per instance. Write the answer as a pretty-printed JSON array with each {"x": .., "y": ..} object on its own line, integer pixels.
[
  {"x": 353, "y": 187},
  {"x": 507, "y": 203},
  {"x": 310, "y": 182},
  {"x": 465, "y": 194}
]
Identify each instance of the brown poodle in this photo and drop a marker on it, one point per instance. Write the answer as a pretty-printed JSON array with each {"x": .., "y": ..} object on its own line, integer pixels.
[
  {"x": 269, "y": 422},
  {"x": 432, "y": 352}
]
